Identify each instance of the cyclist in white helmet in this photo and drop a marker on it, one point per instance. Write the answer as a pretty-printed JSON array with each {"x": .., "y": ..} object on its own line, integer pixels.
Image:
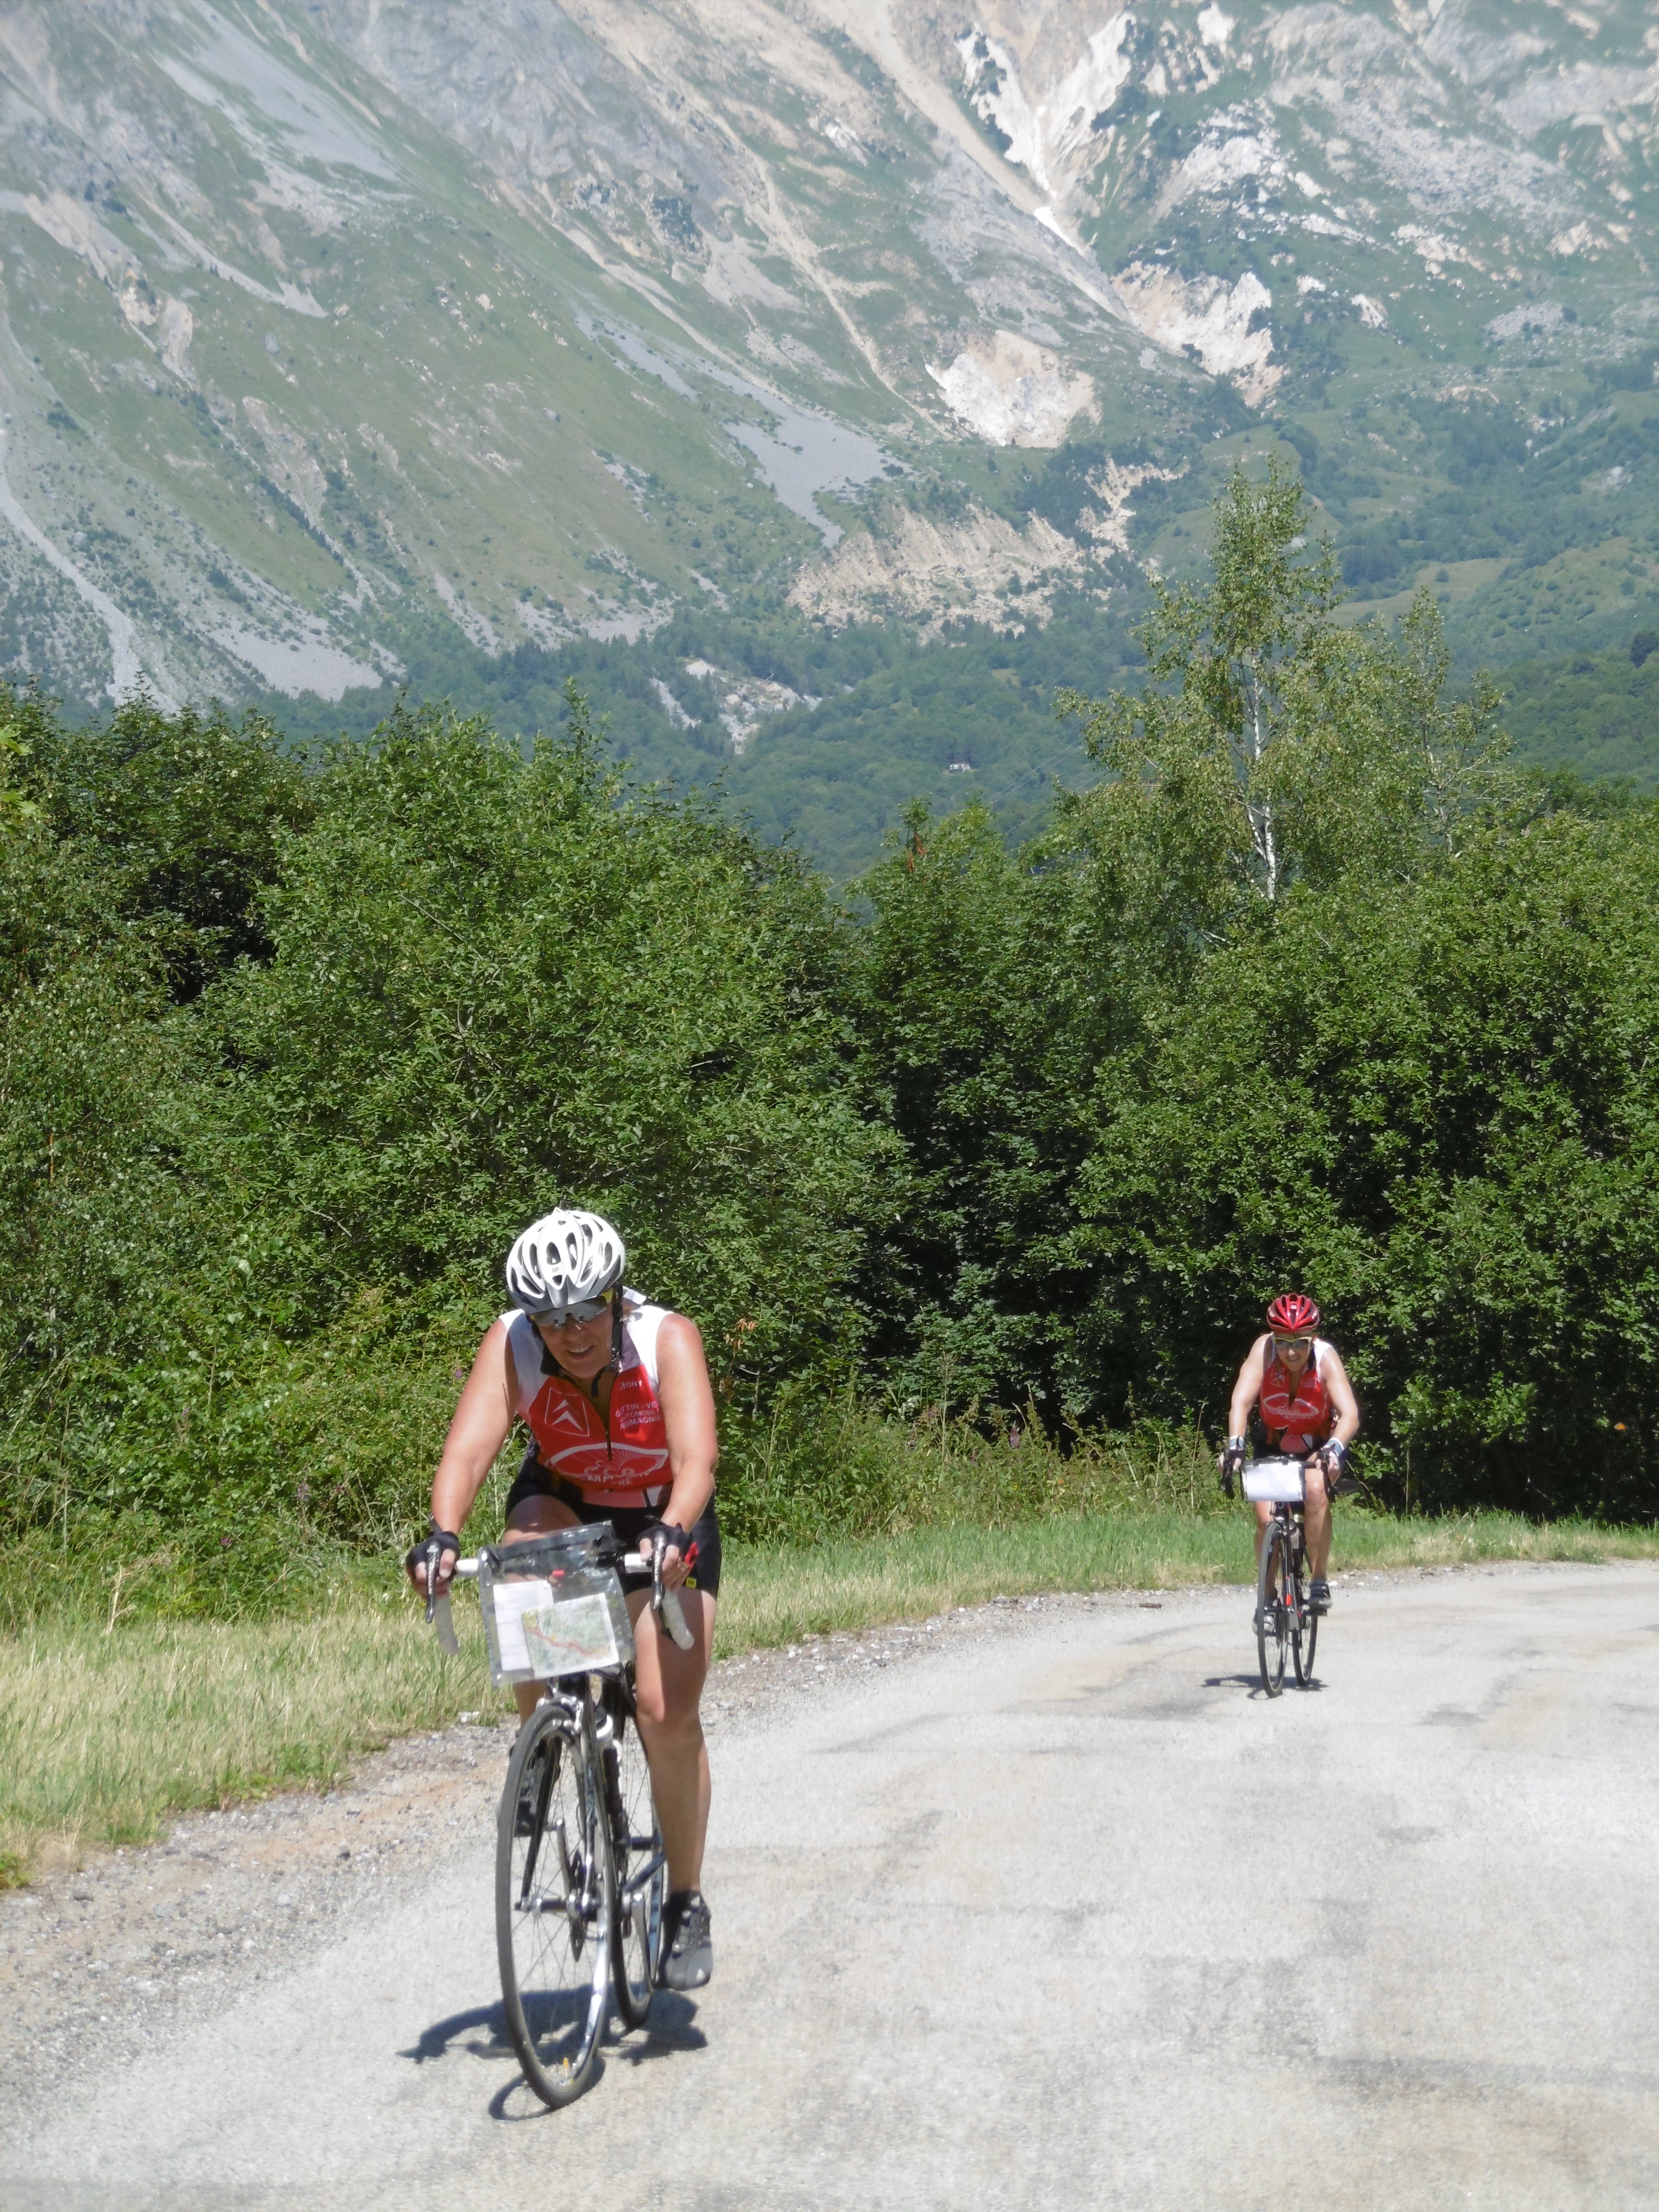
[{"x": 615, "y": 1395}]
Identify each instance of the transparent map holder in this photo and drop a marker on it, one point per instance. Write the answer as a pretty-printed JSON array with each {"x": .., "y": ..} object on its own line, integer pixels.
[
  {"x": 554, "y": 1607},
  {"x": 1275, "y": 1482}
]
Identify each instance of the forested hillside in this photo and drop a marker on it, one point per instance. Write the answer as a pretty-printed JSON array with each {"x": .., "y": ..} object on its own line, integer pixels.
[{"x": 1311, "y": 985}]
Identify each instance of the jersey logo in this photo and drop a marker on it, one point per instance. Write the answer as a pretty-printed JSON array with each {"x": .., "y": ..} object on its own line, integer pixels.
[{"x": 556, "y": 1411}]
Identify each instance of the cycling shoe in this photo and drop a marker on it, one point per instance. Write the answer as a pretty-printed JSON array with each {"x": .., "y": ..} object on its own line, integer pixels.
[
  {"x": 687, "y": 1952},
  {"x": 1319, "y": 1595}
]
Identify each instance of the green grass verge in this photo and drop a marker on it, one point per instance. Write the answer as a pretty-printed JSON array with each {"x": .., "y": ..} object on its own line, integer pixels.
[
  {"x": 112, "y": 1730},
  {"x": 775, "y": 1595}
]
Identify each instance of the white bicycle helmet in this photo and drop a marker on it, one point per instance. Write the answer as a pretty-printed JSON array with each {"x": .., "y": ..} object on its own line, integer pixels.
[{"x": 566, "y": 1257}]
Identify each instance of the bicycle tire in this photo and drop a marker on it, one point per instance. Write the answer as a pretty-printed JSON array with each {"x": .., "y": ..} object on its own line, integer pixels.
[
  {"x": 1271, "y": 1626},
  {"x": 554, "y": 1904},
  {"x": 637, "y": 1852},
  {"x": 1306, "y": 1673},
  {"x": 1304, "y": 1622}
]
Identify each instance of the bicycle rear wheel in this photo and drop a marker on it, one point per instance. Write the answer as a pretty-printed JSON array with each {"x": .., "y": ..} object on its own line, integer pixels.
[
  {"x": 554, "y": 1899},
  {"x": 642, "y": 1870},
  {"x": 1272, "y": 1620}
]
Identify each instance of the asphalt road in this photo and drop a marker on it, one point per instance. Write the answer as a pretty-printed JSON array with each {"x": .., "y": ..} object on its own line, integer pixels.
[{"x": 1053, "y": 1910}]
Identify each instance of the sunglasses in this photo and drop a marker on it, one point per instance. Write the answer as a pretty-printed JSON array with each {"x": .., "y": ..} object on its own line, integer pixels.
[
  {"x": 578, "y": 1309},
  {"x": 1293, "y": 1344}
]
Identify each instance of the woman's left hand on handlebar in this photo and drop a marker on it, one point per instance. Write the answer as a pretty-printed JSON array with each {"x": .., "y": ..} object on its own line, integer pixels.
[{"x": 675, "y": 1564}]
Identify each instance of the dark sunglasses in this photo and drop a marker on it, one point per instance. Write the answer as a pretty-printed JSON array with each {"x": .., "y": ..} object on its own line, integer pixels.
[
  {"x": 1293, "y": 1343},
  {"x": 578, "y": 1309}
]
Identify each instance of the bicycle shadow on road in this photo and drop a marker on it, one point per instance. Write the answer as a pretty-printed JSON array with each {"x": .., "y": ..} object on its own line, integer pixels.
[
  {"x": 1252, "y": 1684},
  {"x": 482, "y": 2033},
  {"x": 672, "y": 2026}
]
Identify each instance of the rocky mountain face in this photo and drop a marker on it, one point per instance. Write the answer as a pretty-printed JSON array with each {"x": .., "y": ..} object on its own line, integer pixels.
[{"x": 325, "y": 326}]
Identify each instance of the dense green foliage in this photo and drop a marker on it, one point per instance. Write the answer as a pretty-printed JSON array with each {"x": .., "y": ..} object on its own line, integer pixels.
[
  {"x": 890, "y": 713},
  {"x": 257, "y": 1220},
  {"x": 1312, "y": 989},
  {"x": 1598, "y": 711},
  {"x": 1308, "y": 987}
]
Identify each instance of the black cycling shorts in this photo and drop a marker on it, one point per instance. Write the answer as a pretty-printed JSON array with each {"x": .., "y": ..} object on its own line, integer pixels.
[{"x": 629, "y": 1522}]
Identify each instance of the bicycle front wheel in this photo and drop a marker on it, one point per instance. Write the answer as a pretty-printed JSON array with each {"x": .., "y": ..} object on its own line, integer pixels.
[
  {"x": 642, "y": 1870},
  {"x": 1309, "y": 1637},
  {"x": 554, "y": 1899},
  {"x": 1272, "y": 1619}
]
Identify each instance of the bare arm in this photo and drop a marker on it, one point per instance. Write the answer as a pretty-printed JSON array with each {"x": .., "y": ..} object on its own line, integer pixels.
[
  {"x": 482, "y": 1422},
  {"x": 687, "y": 1399},
  {"x": 1247, "y": 1388},
  {"x": 1335, "y": 1377}
]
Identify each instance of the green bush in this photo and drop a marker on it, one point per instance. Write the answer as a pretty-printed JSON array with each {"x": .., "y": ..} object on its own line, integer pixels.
[
  {"x": 259, "y": 1233},
  {"x": 1434, "y": 1107}
]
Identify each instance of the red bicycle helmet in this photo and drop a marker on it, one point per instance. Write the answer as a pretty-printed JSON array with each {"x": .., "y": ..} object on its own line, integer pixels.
[{"x": 1292, "y": 1314}]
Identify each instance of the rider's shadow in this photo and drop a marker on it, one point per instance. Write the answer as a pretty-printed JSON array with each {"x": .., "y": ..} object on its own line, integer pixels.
[
  {"x": 672, "y": 2026},
  {"x": 492, "y": 2042}
]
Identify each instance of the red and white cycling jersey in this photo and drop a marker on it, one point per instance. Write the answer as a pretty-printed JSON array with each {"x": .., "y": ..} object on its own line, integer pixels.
[
  {"x": 1297, "y": 1421},
  {"x": 616, "y": 1466}
]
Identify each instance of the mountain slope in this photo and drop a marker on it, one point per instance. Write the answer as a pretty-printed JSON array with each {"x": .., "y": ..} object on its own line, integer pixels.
[{"x": 333, "y": 331}]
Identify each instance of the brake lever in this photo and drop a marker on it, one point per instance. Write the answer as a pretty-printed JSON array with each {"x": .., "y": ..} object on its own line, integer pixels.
[
  {"x": 665, "y": 1603},
  {"x": 437, "y": 1605}
]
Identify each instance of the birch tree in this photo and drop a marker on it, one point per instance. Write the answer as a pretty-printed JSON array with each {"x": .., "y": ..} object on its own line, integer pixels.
[{"x": 1272, "y": 744}]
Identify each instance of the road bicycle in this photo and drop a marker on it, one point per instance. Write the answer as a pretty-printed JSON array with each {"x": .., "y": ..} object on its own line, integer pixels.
[
  {"x": 1286, "y": 1621},
  {"x": 580, "y": 1873}
]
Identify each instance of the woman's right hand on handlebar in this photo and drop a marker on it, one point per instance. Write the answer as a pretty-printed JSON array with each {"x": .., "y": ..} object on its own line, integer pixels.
[{"x": 415, "y": 1557}]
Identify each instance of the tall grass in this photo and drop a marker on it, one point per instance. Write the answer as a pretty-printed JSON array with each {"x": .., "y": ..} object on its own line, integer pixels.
[
  {"x": 776, "y": 1594},
  {"x": 808, "y": 1471},
  {"x": 821, "y": 1469},
  {"x": 109, "y": 1732}
]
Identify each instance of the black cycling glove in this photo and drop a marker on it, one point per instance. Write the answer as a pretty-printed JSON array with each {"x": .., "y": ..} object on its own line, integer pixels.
[
  {"x": 664, "y": 1535},
  {"x": 1334, "y": 1455},
  {"x": 448, "y": 1541},
  {"x": 1232, "y": 1463}
]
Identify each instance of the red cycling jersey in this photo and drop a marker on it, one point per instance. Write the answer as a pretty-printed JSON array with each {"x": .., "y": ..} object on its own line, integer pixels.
[
  {"x": 624, "y": 1463},
  {"x": 1297, "y": 1421}
]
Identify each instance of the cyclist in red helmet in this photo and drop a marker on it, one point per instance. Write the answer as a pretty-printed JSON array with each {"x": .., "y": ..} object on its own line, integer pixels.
[{"x": 1296, "y": 1384}]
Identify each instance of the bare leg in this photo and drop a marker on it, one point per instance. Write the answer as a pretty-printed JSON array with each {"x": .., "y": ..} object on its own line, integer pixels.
[
  {"x": 1316, "y": 1523},
  {"x": 667, "y": 1687},
  {"x": 1264, "y": 1515}
]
